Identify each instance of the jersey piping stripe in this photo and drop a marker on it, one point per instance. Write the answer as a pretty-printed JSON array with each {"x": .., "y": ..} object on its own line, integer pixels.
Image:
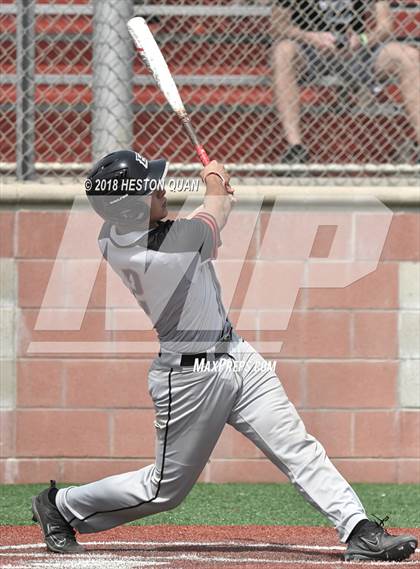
[
  {"x": 209, "y": 219},
  {"x": 211, "y": 222},
  {"x": 165, "y": 441}
]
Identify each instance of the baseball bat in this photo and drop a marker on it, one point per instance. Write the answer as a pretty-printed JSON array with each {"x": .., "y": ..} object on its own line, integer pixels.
[{"x": 152, "y": 57}]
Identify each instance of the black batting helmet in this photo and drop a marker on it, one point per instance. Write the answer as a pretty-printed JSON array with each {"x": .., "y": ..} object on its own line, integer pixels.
[{"x": 117, "y": 185}]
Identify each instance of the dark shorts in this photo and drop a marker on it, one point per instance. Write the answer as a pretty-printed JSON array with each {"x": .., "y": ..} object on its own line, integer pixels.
[{"x": 357, "y": 68}]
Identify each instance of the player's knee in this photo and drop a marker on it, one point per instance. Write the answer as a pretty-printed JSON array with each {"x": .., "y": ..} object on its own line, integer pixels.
[
  {"x": 170, "y": 499},
  {"x": 174, "y": 501},
  {"x": 284, "y": 54},
  {"x": 169, "y": 503}
]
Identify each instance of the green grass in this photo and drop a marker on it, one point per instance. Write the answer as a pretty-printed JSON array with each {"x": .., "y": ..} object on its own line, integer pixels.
[{"x": 239, "y": 504}]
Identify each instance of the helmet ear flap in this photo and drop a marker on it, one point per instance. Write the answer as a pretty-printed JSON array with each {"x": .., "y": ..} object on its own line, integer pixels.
[
  {"x": 142, "y": 208},
  {"x": 124, "y": 212}
]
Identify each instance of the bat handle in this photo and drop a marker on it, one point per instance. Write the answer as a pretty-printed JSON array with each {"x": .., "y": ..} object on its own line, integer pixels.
[
  {"x": 199, "y": 148},
  {"x": 202, "y": 154}
]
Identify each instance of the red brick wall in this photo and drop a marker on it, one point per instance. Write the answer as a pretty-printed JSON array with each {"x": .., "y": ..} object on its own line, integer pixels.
[{"x": 76, "y": 418}]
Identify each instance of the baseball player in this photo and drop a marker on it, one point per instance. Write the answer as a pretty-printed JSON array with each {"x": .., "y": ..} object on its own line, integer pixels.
[{"x": 167, "y": 265}]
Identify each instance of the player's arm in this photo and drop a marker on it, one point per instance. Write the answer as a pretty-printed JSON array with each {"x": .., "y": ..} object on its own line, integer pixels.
[
  {"x": 200, "y": 231},
  {"x": 194, "y": 213},
  {"x": 218, "y": 200}
]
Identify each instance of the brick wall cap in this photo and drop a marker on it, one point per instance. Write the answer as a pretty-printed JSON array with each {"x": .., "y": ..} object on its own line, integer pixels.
[{"x": 58, "y": 193}]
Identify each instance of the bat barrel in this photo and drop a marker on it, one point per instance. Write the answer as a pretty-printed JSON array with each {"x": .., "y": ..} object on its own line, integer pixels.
[{"x": 151, "y": 55}]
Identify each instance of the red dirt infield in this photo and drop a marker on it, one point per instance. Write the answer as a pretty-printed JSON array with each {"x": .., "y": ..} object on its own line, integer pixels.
[{"x": 178, "y": 547}]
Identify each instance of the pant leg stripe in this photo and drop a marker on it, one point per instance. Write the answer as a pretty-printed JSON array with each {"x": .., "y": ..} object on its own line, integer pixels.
[{"x": 163, "y": 460}]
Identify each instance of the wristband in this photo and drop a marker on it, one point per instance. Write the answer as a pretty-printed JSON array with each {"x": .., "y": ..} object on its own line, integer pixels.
[{"x": 363, "y": 39}]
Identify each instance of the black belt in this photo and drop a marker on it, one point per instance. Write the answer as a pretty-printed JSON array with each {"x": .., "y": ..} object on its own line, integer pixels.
[{"x": 189, "y": 359}]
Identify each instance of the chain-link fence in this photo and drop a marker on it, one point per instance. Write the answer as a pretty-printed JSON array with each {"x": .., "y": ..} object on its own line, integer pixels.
[{"x": 329, "y": 86}]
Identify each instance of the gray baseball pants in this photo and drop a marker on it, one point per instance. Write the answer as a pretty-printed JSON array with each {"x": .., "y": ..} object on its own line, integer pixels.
[{"x": 192, "y": 408}]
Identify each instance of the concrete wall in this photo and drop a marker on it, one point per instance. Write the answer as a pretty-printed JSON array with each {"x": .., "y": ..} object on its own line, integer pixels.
[{"x": 350, "y": 363}]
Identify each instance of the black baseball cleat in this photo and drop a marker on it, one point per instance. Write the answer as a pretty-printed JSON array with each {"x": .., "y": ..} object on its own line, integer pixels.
[
  {"x": 373, "y": 543},
  {"x": 59, "y": 536}
]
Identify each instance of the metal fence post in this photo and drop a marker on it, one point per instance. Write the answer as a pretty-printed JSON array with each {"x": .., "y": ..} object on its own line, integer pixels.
[
  {"x": 25, "y": 90},
  {"x": 112, "y": 121}
]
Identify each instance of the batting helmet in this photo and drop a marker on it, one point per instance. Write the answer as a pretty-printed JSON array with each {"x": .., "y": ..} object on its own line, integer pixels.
[{"x": 135, "y": 176}]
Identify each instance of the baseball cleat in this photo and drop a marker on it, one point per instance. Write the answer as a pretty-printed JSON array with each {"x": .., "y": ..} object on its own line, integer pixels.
[
  {"x": 59, "y": 536},
  {"x": 373, "y": 543}
]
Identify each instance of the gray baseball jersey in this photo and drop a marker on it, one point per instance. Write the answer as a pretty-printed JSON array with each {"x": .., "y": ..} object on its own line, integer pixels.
[{"x": 169, "y": 270}]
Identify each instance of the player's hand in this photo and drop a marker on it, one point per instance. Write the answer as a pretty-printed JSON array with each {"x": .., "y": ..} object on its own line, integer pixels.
[
  {"x": 216, "y": 171},
  {"x": 325, "y": 41}
]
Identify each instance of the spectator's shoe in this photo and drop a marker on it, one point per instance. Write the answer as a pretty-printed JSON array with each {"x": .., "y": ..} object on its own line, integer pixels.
[
  {"x": 373, "y": 543},
  {"x": 59, "y": 536},
  {"x": 296, "y": 154}
]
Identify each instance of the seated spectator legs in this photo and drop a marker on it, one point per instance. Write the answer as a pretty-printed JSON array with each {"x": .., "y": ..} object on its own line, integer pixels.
[
  {"x": 402, "y": 60},
  {"x": 286, "y": 66}
]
